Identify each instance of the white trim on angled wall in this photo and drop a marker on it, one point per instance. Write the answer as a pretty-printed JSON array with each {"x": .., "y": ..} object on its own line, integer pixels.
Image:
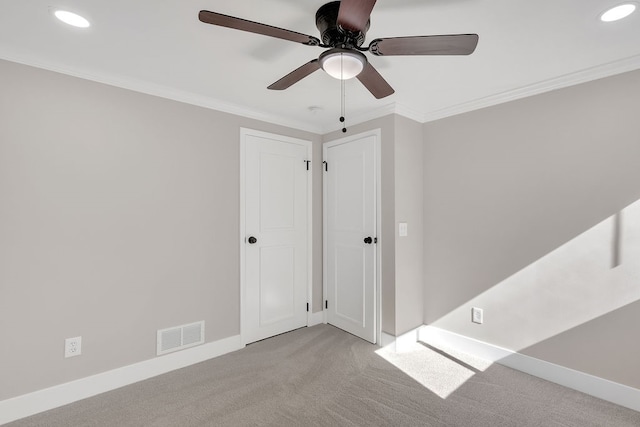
[
  {"x": 610, "y": 391},
  {"x": 401, "y": 343},
  {"x": 64, "y": 394},
  {"x": 316, "y": 318}
]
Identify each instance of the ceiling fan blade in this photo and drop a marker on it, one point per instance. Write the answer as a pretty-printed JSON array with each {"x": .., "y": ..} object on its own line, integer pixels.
[
  {"x": 454, "y": 44},
  {"x": 296, "y": 75},
  {"x": 255, "y": 27},
  {"x": 354, "y": 14},
  {"x": 374, "y": 82}
]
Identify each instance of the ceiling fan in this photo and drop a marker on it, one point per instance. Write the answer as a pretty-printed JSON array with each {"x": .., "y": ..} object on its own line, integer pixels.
[{"x": 343, "y": 26}]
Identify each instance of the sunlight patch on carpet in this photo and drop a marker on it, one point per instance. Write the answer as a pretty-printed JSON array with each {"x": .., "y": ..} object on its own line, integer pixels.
[{"x": 440, "y": 374}]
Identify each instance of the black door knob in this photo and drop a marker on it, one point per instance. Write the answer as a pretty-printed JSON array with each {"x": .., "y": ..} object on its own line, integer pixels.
[
  {"x": 252, "y": 240},
  {"x": 368, "y": 240}
]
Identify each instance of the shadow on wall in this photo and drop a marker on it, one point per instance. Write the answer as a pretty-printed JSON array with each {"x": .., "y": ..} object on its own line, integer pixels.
[{"x": 593, "y": 274}]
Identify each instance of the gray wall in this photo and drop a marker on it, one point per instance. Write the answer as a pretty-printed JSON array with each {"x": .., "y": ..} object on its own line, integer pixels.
[
  {"x": 530, "y": 215},
  {"x": 119, "y": 215},
  {"x": 409, "y": 195}
]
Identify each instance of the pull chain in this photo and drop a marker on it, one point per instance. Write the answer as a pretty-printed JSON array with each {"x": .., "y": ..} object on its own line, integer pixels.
[
  {"x": 342, "y": 97},
  {"x": 342, "y": 107}
]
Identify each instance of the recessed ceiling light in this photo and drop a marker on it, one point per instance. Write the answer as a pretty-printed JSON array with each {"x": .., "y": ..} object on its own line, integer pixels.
[
  {"x": 72, "y": 19},
  {"x": 618, "y": 12}
]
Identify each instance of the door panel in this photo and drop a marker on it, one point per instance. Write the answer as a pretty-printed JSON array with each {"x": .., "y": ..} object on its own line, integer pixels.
[
  {"x": 277, "y": 284},
  {"x": 350, "y": 217},
  {"x": 350, "y": 283},
  {"x": 277, "y": 191},
  {"x": 276, "y": 264},
  {"x": 349, "y": 190}
]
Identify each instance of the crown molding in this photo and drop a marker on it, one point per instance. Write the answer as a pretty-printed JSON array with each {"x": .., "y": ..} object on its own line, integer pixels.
[
  {"x": 583, "y": 76},
  {"x": 409, "y": 113},
  {"x": 159, "y": 91},
  {"x": 362, "y": 117},
  {"x": 377, "y": 113},
  {"x": 593, "y": 73}
]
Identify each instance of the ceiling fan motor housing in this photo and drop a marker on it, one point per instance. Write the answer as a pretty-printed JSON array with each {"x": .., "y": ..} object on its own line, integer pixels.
[{"x": 331, "y": 33}]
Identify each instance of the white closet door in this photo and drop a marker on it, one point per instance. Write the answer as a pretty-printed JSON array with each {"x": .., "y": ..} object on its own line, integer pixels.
[
  {"x": 350, "y": 221},
  {"x": 276, "y": 235}
]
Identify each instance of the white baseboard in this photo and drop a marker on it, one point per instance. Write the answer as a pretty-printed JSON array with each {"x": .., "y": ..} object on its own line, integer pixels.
[
  {"x": 401, "y": 343},
  {"x": 437, "y": 336},
  {"x": 63, "y": 394},
  {"x": 316, "y": 318},
  {"x": 43, "y": 400},
  {"x": 613, "y": 392},
  {"x": 386, "y": 339}
]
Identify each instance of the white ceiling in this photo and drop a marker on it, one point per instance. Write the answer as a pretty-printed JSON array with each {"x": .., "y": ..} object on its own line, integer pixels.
[{"x": 160, "y": 47}]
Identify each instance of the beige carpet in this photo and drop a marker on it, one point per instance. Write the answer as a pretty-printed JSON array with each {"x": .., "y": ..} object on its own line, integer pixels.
[{"x": 324, "y": 376}]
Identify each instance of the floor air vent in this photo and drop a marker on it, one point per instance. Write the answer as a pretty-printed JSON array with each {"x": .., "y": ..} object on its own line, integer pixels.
[{"x": 180, "y": 337}]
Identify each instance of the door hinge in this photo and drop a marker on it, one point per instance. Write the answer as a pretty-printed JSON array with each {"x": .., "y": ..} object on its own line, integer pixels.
[
  {"x": 326, "y": 166},
  {"x": 307, "y": 307},
  {"x": 326, "y": 304},
  {"x": 307, "y": 162}
]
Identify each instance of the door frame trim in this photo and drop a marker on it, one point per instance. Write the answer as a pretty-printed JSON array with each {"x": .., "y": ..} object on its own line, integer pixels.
[
  {"x": 244, "y": 132},
  {"x": 377, "y": 295}
]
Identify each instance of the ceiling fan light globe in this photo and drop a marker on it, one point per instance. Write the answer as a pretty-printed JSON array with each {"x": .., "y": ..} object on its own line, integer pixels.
[{"x": 342, "y": 64}]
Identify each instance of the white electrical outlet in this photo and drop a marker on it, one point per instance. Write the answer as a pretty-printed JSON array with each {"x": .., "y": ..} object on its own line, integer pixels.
[
  {"x": 477, "y": 315},
  {"x": 73, "y": 347}
]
